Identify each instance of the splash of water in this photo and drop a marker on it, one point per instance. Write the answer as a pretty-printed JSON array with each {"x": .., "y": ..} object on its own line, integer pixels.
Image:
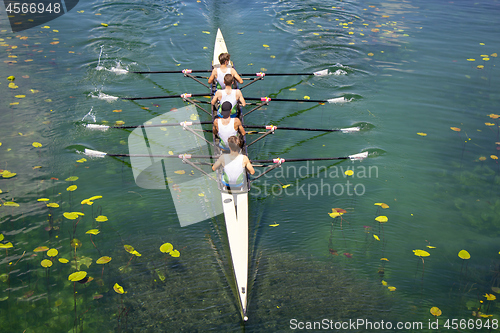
[
  {"x": 99, "y": 67},
  {"x": 90, "y": 114},
  {"x": 119, "y": 70},
  {"x": 105, "y": 97}
]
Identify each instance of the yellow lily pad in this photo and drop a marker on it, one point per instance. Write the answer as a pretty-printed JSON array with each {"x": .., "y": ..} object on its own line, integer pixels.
[
  {"x": 53, "y": 205},
  {"x": 175, "y": 253},
  {"x": 52, "y": 252},
  {"x": 101, "y": 218},
  {"x": 421, "y": 253},
  {"x": 119, "y": 289},
  {"x": 103, "y": 260},
  {"x": 463, "y": 254},
  {"x": 129, "y": 248},
  {"x": 93, "y": 231},
  {"x": 77, "y": 276},
  {"x": 166, "y": 248},
  {"x": 71, "y": 188},
  {"x": 71, "y": 216},
  {"x": 46, "y": 263},
  {"x": 435, "y": 311}
]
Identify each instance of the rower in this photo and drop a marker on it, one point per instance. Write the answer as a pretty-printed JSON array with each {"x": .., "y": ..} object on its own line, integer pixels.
[
  {"x": 234, "y": 164},
  {"x": 229, "y": 94},
  {"x": 219, "y": 73},
  {"x": 226, "y": 126}
]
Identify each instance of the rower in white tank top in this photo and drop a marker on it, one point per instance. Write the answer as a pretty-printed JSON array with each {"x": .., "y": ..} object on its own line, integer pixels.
[
  {"x": 234, "y": 166},
  {"x": 220, "y": 77},
  {"x": 226, "y": 131},
  {"x": 233, "y": 170},
  {"x": 231, "y": 97}
]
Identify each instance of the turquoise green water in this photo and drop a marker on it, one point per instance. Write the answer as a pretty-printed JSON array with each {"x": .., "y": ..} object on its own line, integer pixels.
[{"x": 406, "y": 68}]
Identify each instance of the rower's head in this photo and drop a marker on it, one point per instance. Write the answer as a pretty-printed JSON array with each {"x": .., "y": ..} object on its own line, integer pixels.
[
  {"x": 234, "y": 143},
  {"x": 228, "y": 80},
  {"x": 224, "y": 58},
  {"x": 225, "y": 109}
]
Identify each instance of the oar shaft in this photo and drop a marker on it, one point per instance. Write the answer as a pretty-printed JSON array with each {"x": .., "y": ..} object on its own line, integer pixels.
[
  {"x": 161, "y": 97},
  {"x": 304, "y": 159},
  {"x": 288, "y": 100},
  {"x": 164, "y": 125},
  {"x": 277, "y": 74},
  {"x": 296, "y": 128},
  {"x": 173, "y": 72},
  {"x": 162, "y": 156}
]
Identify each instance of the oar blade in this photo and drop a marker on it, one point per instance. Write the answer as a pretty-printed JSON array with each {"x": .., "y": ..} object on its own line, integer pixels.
[
  {"x": 94, "y": 153},
  {"x": 358, "y": 157},
  {"x": 97, "y": 127},
  {"x": 321, "y": 73},
  {"x": 337, "y": 100},
  {"x": 350, "y": 129}
]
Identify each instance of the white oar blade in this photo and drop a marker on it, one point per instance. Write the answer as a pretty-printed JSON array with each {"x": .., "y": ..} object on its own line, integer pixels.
[
  {"x": 350, "y": 129},
  {"x": 97, "y": 127},
  {"x": 359, "y": 157},
  {"x": 94, "y": 153},
  {"x": 321, "y": 73},
  {"x": 337, "y": 100}
]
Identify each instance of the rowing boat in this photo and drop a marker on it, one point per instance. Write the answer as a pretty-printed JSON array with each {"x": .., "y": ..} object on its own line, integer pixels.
[
  {"x": 234, "y": 201},
  {"x": 235, "y": 205}
]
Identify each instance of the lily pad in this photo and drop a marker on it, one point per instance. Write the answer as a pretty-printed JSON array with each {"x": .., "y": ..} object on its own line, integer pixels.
[
  {"x": 46, "y": 263},
  {"x": 119, "y": 289},
  {"x": 103, "y": 260},
  {"x": 435, "y": 311},
  {"x": 77, "y": 276},
  {"x": 166, "y": 248},
  {"x": 463, "y": 254},
  {"x": 101, "y": 218}
]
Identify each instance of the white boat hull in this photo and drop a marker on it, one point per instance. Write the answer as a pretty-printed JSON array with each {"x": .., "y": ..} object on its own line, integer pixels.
[{"x": 235, "y": 206}]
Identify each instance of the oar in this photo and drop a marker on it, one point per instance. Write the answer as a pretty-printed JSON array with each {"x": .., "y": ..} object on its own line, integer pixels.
[
  {"x": 168, "y": 96},
  {"x": 189, "y": 71},
  {"x": 184, "y": 123},
  {"x": 318, "y": 73},
  {"x": 184, "y": 71},
  {"x": 269, "y": 127},
  {"x": 268, "y": 99},
  {"x": 355, "y": 157},
  {"x": 96, "y": 153}
]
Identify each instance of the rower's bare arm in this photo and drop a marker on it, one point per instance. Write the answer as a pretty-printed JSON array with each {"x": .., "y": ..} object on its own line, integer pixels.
[
  {"x": 237, "y": 123},
  {"x": 215, "y": 128},
  {"x": 240, "y": 98},
  {"x": 216, "y": 97},
  {"x": 217, "y": 164},
  {"x": 248, "y": 165},
  {"x": 212, "y": 76},
  {"x": 236, "y": 76}
]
